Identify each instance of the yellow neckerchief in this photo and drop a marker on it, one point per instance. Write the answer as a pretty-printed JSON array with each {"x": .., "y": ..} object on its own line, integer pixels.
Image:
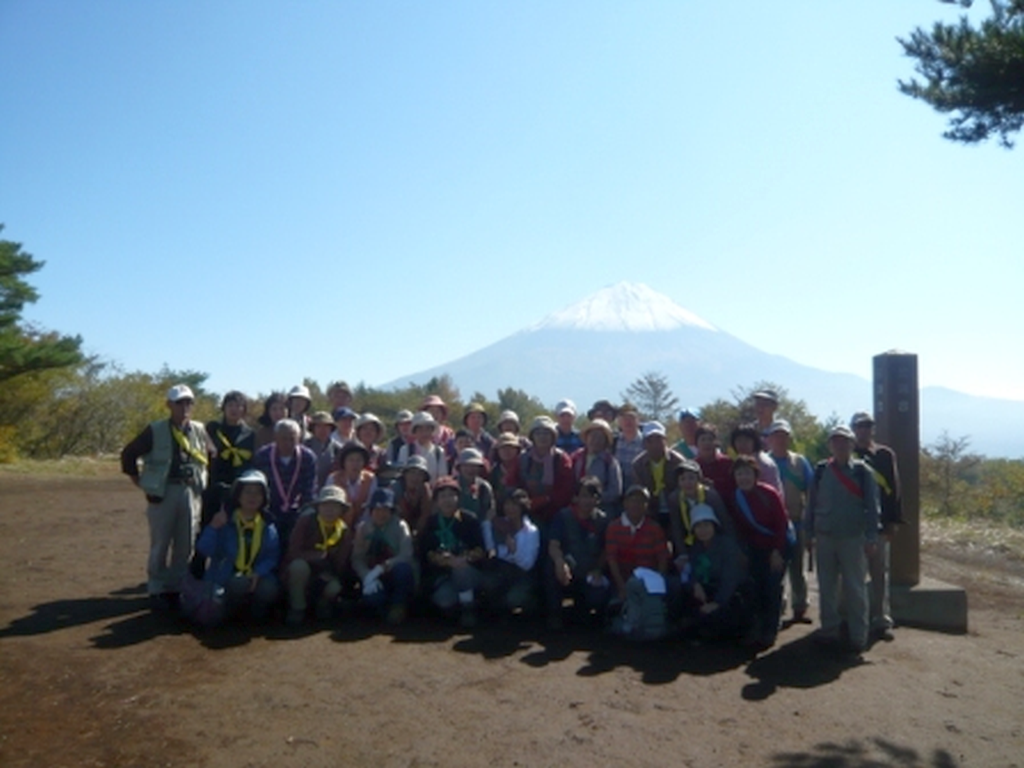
[
  {"x": 182, "y": 441},
  {"x": 232, "y": 453},
  {"x": 684, "y": 512},
  {"x": 658, "y": 473},
  {"x": 244, "y": 560},
  {"x": 328, "y": 536}
]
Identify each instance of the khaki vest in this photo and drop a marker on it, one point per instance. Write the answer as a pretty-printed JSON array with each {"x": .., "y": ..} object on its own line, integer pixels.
[{"x": 157, "y": 463}]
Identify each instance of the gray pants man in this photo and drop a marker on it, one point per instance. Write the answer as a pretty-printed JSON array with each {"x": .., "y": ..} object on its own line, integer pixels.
[
  {"x": 841, "y": 562},
  {"x": 172, "y": 525}
]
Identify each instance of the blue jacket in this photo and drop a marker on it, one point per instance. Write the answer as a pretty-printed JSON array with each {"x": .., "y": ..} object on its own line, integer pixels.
[{"x": 221, "y": 546}]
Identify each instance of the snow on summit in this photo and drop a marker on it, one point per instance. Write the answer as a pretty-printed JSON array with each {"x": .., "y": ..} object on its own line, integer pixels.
[{"x": 624, "y": 307}]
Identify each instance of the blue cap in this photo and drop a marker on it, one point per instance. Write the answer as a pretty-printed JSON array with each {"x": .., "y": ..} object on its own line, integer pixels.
[
  {"x": 382, "y": 497},
  {"x": 693, "y": 413},
  {"x": 344, "y": 412}
]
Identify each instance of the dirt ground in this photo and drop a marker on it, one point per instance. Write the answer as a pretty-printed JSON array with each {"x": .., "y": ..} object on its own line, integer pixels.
[{"x": 89, "y": 677}]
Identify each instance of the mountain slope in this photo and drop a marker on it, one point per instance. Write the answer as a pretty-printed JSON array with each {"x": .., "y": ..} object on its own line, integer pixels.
[{"x": 596, "y": 347}]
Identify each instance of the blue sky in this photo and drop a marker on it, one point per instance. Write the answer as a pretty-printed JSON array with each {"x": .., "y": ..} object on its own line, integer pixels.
[{"x": 266, "y": 191}]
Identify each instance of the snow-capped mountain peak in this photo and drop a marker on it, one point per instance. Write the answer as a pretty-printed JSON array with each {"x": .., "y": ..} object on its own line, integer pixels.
[{"x": 624, "y": 307}]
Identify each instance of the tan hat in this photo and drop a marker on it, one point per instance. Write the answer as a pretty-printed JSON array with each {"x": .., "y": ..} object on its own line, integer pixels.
[
  {"x": 321, "y": 417},
  {"x": 602, "y": 425},
  {"x": 508, "y": 438},
  {"x": 333, "y": 493}
]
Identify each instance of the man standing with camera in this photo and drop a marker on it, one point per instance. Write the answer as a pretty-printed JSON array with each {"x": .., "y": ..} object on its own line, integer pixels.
[{"x": 175, "y": 454}]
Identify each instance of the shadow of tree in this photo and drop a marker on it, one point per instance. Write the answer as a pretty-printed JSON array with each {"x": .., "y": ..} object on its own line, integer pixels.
[{"x": 873, "y": 753}]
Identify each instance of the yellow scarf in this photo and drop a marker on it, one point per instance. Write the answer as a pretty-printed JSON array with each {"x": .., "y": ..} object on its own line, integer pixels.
[
  {"x": 329, "y": 537},
  {"x": 684, "y": 513},
  {"x": 182, "y": 441},
  {"x": 658, "y": 473},
  {"x": 245, "y": 560},
  {"x": 232, "y": 453}
]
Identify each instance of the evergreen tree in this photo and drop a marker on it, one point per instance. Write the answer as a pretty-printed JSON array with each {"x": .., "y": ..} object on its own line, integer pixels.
[
  {"x": 25, "y": 350},
  {"x": 976, "y": 73}
]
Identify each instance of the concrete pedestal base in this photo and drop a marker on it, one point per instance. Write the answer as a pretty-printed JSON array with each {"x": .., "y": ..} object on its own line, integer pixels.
[{"x": 931, "y": 604}]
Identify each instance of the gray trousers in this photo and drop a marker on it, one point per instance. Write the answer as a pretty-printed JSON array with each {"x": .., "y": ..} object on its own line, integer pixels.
[
  {"x": 172, "y": 525},
  {"x": 842, "y": 562},
  {"x": 878, "y": 568}
]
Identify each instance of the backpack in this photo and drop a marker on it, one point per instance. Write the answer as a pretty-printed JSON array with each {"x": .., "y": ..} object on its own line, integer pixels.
[{"x": 643, "y": 615}]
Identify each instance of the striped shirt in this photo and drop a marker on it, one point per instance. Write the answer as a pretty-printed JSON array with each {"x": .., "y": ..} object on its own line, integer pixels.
[{"x": 641, "y": 547}]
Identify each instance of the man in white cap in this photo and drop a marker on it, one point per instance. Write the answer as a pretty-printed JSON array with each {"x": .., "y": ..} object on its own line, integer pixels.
[
  {"x": 175, "y": 453},
  {"x": 842, "y": 528},
  {"x": 655, "y": 469},
  {"x": 566, "y": 437}
]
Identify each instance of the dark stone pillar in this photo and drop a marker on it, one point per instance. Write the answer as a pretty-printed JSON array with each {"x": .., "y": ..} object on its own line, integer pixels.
[{"x": 897, "y": 424}]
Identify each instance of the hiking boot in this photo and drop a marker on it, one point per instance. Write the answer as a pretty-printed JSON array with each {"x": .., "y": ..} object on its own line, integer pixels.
[{"x": 295, "y": 617}]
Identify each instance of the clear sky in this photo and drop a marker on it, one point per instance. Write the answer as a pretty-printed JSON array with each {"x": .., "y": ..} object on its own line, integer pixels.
[{"x": 361, "y": 190}]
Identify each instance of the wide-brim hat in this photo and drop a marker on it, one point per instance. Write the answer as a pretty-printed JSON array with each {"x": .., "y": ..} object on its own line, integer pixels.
[
  {"x": 321, "y": 417},
  {"x": 703, "y": 513},
  {"x": 509, "y": 416},
  {"x": 369, "y": 418},
  {"x": 332, "y": 493},
  {"x": 767, "y": 394},
  {"x": 424, "y": 419},
  {"x": 416, "y": 462},
  {"x": 475, "y": 408},
  {"x": 432, "y": 401},
  {"x": 403, "y": 416},
  {"x": 251, "y": 477},
  {"x": 780, "y": 425},
  {"x": 302, "y": 391},
  {"x": 508, "y": 438},
  {"x": 544, "y": 422},
  {"x": 471, "y": 456},
  {"x": 599, "y": 424}
]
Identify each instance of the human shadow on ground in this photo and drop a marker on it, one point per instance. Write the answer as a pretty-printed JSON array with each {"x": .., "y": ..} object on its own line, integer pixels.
[
  {"x": 64, "y": 614},
  {"x": 870, "y": 753},
  {"x": 798, "y": 664},
  {"x": 499, "y": 637}
]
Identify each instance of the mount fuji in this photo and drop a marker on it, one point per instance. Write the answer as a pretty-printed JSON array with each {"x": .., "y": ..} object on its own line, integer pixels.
[{"x": 596, "y": 347}]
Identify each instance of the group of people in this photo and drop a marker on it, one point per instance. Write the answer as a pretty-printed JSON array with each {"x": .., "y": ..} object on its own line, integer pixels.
[{"x": 309, "y": 511}]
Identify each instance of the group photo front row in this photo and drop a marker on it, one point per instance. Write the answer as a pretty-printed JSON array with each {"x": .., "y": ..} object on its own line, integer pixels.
[{"x": 320, "y": 516}]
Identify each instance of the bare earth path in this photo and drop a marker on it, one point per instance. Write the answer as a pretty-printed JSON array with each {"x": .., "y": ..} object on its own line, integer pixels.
[{"x": 89, "y": 677}]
